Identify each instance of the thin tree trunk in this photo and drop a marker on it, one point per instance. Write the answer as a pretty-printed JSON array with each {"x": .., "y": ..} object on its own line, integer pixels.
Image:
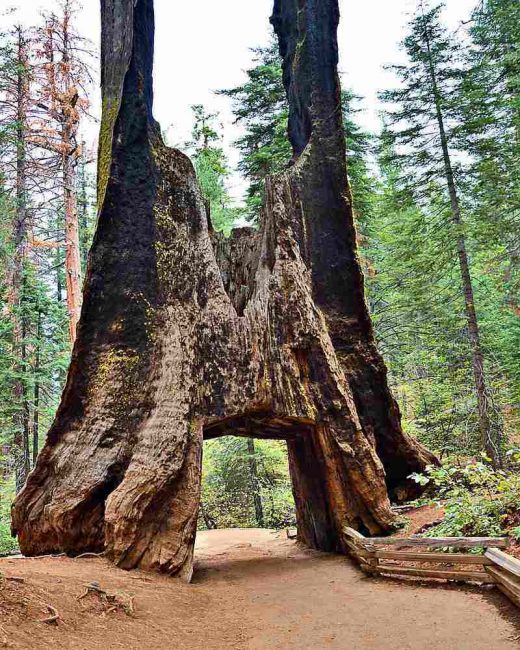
[
  {"x": 36, "y": 395},
  {"x": 69, "y": 130},
  {"x": 62, "y": 96},
  {"x": 489, "y": 444},
  {"x": 26, "y": 410},
  {"x": 83, "y": 210},
  {"x": 72, "y": 250},
  {"x": 255, "y": 483},
  {"x": 20, "y": 232},
  {"x": 58, "y": 262}
]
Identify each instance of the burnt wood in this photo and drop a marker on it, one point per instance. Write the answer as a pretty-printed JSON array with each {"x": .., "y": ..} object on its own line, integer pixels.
[{"x": 185, "y": 334}]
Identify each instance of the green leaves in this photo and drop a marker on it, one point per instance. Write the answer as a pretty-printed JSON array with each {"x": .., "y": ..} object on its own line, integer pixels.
[
  {"x": 410, "y": 239},
  {"x": 228, "y": 484},
  {"x": 212, "y": 168},
  {"x": 477, "y": 500},
  {"x": 260, "y": 106}
]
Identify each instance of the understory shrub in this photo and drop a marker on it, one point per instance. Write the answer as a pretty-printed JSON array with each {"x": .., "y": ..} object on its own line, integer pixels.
[
  {"x": 478, "y": 500},
  {"x": 8, "y": 544}
]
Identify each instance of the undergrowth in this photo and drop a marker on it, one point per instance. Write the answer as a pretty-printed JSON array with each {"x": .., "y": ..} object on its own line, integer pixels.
[
  {"x": 478, "y": 501},
  {"x": 8, "y": 544}
]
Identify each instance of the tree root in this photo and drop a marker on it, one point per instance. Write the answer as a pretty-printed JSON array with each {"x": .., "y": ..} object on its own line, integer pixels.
[
  {"x": 53, "y": 618},
  {"x": 14, "y": 578},
  {"x": 112, "y": 602}
]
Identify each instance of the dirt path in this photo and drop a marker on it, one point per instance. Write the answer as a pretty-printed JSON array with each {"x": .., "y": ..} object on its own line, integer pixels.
[{"x": 253, "y": 590}]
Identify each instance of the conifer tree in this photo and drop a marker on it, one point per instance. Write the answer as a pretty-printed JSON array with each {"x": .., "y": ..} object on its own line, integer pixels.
[
  {"x": 15, "y": 115},
  {"x": 423, "y": 127},
  {"x": 260, "y": 107},
  {"x": 212, "y": 167},
  {"x": 490, "y": 110},
  {"x": 36, "y": 108}
]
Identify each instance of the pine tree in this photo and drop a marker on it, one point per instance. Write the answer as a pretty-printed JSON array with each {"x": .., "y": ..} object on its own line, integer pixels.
[
  {"x": 260, "y": 107},
  {"x": 423, "y": 129},
  {"x": 15, "y": 115},
  {"x": 34, "y": 201},
  {"x": 212, "y": 168},
  {"x": 490, "y": 108},
  {"x": 491, "y": 113}
]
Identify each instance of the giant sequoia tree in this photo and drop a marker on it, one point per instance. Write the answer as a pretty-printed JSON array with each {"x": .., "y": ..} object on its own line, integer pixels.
[{"x": 186, "y": 335}]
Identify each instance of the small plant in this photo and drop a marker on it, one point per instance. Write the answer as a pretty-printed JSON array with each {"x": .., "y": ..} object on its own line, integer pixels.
[
  {"x": 478, "y": 501},
  {"x": 7, "y": 543}
]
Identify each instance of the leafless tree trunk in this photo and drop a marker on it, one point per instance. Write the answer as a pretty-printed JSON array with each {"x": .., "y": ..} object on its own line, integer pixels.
[
  {"x": 64, "y": 76},
  {"x": 255, "y": 484}
]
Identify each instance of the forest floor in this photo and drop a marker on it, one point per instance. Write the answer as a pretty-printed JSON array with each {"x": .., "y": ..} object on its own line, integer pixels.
[{"x": 252, "y": 590}]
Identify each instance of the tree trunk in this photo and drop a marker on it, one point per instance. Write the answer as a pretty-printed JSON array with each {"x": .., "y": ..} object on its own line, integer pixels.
[
  {"x": 36, "y": 396},
  {"x": 72, "y": 249},
  {"x": 16, "y": 298},
  {"x": 69, "y": 145},
  {"x": 490, "y": 445},
  {"x": 83, "y": 209},
  {"x": 58, "y": 262},
  {"x": 255, "y": 483},
  {"x": 185, "y": 335}
]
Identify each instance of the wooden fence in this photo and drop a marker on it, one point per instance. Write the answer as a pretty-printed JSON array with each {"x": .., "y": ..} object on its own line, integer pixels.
[{"x": 376, "y": 556}]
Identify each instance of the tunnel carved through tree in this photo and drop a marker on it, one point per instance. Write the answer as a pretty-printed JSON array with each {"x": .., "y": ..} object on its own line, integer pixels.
[{"x": 186, "y": 334}]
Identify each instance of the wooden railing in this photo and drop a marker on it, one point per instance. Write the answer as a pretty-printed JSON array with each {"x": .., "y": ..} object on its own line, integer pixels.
[{"x": 492, "y": 566}]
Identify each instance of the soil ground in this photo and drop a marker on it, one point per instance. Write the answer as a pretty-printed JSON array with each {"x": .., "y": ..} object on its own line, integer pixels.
[{"x": 252, "y": 590}]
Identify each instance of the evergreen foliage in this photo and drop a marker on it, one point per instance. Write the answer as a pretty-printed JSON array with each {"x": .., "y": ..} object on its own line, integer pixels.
[
  {"x": 212, "y": 169},
  {"x": 260, "y": 107},
  {"x": 424, "y": 149},
  {"x": 229, "y": 485}
]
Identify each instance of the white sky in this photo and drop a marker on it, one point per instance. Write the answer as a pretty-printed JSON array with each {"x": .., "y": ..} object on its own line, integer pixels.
[{"x": 203, "y": 45}]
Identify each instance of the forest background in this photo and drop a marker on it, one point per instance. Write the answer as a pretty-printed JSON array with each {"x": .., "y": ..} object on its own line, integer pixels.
[{"x": 436, "y": 194}]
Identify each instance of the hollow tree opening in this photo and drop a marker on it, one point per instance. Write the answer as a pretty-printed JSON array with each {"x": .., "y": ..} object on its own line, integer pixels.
[
  {"x": 245, "y": 475},
  {"x": 181, "y": 329}
]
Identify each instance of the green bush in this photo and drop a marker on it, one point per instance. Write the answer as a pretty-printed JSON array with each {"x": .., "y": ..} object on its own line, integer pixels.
[
  {"x": 8, "y": 544},
  {"x": 229, "y": 485},
  {"x": 478, "y": 500}
]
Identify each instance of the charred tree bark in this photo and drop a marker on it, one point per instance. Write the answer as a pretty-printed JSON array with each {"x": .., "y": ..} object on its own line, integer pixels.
[
  {"x": 186, "y": 335},
  {"x": 308, "y": 45}
]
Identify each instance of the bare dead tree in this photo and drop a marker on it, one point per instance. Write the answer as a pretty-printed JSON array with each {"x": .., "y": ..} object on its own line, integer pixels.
[{"x": 63, "y": 78}]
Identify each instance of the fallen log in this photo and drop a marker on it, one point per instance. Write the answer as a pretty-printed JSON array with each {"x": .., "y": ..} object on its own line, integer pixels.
[
  {"x": 441, "y": 542},
  {"x": 448, "y": 558}
]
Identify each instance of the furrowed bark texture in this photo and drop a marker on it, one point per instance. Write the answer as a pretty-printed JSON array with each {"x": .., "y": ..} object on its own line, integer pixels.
[{"x": 185, "y": 335}]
